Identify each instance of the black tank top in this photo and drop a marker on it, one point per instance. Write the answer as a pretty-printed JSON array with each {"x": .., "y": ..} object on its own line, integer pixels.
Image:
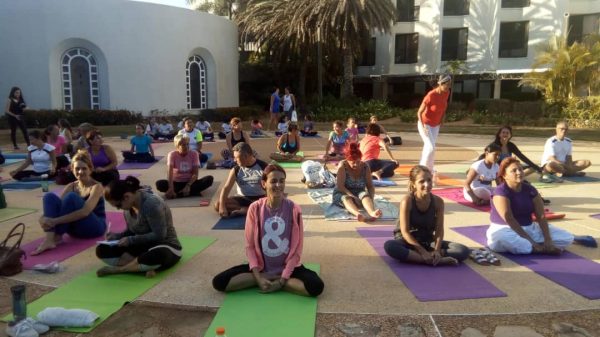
[
  {"x": 234, "y": 141},
  {"x": 421, "y": 224},
  {"x": 16, "y": 107}
]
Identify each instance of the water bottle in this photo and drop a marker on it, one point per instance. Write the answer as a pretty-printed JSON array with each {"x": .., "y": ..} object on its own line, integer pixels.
[
  {"x": 19, "y": 305},
  {"x": 44, "y": 183},
  {"x": 221, "y": 332}
]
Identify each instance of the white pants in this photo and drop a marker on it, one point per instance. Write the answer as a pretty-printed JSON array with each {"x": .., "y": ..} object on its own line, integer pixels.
[
  {"x": 501, "y": 238},
  {"x": 483, "y": 193},
  {"x": 429, "y": 139}
]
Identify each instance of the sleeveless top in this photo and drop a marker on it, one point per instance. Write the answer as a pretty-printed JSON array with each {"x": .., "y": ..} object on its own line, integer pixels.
[
  {"x": 101, "y": 159},
  {"x": 287, "y": 146},
  {"x": 16, "y": 107},
  {"x": 234, "y": 141},
  {"x": 421, "y": 223},
  {"x": 276, "y": 101},
  {"x": 99, "y": 210},
  {"x": 287, "y": 102}
]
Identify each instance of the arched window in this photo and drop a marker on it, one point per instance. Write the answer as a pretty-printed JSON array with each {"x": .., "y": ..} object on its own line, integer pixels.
[
  {"x": 195, "y": 77},
  {"x": 80, "y": 80}
]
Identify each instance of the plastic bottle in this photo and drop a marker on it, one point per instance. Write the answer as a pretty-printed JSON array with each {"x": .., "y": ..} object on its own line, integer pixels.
[
  {"x": 221, "y": 332},
  {"x": 44, "y": 183}
]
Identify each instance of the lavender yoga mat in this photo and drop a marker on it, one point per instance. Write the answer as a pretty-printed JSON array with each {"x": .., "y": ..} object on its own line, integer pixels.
[
  {"x": 70, "y": 246},
  {"x": 596, "y": 216},
  {"x": 432, "y": 283},
  {"x": 571, "y": 271},
  {"x": 138, "y": 166}
]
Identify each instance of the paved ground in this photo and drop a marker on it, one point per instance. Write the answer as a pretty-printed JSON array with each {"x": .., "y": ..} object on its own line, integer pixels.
[{"x": 362, "y": 297}]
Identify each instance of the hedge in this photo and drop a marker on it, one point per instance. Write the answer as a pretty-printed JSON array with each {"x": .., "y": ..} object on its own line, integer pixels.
[{"x": 43, "y": 118}]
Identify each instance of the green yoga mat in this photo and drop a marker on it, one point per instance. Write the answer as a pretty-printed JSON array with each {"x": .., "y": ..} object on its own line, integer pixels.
[
  {"x": 250, "y": 313},
  {"x": 13, "y": 212},
  {"x": 538, "y": 185},
  {"x": 106, "y": 295},
  {"x": 289, "y": 164}
]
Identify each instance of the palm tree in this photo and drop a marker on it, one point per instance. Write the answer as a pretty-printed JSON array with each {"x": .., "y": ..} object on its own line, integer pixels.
[
  {"x": 455, "y": 67},
  {"x": 344, "y": 25}
]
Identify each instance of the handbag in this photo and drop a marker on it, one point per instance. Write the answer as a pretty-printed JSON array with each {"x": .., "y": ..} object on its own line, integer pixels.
[{"x": 10, "y": 256}]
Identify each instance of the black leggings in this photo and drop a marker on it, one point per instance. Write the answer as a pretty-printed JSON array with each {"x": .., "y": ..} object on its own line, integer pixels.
[
  {"x": 312, "y": 282},
  {"x": 399, "y": 249},
  {"x": 106, "y": 177},
  {"x": 145, "y": 157},
  {"x": 147, "y": 255},
  {"x": 387, "y": 167},
  {"x": 195, "y": 190},
  {"x": 20, "y": 123}
]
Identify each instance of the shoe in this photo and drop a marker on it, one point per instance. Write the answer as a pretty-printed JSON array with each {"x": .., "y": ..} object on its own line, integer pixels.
[
  {"x": 546, "y": 201},
  {"x": 586, "y": 241},
  {"x": 50, "y": 268},
  {"x": 557, "y": 179},
  {"x": 546, "y": 178}
]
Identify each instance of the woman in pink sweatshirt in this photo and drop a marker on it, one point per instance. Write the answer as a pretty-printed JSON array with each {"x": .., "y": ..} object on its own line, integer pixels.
[{"x": 274, "y": 237}]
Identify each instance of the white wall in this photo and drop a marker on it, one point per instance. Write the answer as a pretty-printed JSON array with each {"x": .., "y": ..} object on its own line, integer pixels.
[
  {"x": 141, "y": 49},
  {"x": 546, "y": 18}
]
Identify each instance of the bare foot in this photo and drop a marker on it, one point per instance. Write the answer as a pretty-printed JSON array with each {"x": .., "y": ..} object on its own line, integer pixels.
[
  {"x": 376, "y": 214},
  {"x": 43, "y": 247},
  {"x": 150, "y": 273},
  {"x": 239, "y": 212},
  {"x": 377, "y": 175},
  {"x": 448, "y": 261},
  {"x": 361, "y": 218},
  {"x": 108, "y": 270}
]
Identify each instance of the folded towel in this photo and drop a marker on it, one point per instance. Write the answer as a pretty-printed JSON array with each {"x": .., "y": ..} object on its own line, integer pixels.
[{"x": 67, "y": 317}]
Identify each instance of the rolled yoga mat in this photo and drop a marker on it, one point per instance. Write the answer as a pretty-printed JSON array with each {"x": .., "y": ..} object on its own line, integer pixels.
[
  {"x": 571, "y": 271},
  {"x": 21, "y": 185},
  {"x": 429, "y": 283},
  {"x": 250, "y": 313},
  {"x": 138, "y": 166},
  {"x": 105, "y": 295},
  {"x": 71, "y": 246}
]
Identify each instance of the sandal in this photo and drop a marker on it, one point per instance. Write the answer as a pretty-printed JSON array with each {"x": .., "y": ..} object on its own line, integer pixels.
[
  {"x": 477, "y": 256},
  {"x": 491, "y": 258}
]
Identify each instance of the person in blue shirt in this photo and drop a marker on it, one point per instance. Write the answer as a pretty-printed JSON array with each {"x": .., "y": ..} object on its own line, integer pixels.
[{"x": 141, "y": 147}]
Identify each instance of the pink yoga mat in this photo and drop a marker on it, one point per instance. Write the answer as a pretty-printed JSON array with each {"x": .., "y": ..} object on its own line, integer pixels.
[
  {"x": 70, "y": 246},
  {"x": 571, "y": 271},
  {"x": 428, "y": 283},
  {"x": 456, "y": 194}
]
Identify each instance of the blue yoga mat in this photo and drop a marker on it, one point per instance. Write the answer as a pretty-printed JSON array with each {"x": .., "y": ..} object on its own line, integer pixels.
[
  {"x": 15, "y": 155},
  {"x": 23, "y": 185},
  {"x": 10, "y": 161},
  {"x": 237, "y": 222},
  {"x": 209, "y": 155},
  {"x": 384, "y": 182}
]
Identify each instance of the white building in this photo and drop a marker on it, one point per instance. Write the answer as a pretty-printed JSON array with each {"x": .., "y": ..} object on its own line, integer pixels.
[
  {"x": 496, "y": 40},
  {"x": 117, "y": 54}
]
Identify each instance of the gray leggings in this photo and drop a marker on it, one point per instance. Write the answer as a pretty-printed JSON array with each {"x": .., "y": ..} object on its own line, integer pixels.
[{"x": 399, "y": 249}]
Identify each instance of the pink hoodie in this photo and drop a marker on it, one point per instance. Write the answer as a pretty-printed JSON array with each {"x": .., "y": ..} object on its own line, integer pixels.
[{"x": 253, "y": 250}]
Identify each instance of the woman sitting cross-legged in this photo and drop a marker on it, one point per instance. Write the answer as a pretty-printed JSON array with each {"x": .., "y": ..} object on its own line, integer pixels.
[
  {"x": 41, "y": 156},
  {"x": 354, "y": 186},
  {"x": 141, "y": 147},
  {"x": 103, "y": 157},
  {"x": 274, "y": 239},
  {"x": 512, "y": 228},
  {"x": 288, "y": 145},
  {"x": 79, "y": 211},
  {"x": 182, "y": 179},
  {"x": 482, "y": 173},
  {"x": 371, "y": 146},
  {"x": 419, "y": 237},
  {"x": 149, "y": 243}
]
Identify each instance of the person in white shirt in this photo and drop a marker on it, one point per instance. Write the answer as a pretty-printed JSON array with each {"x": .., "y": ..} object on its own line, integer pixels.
[
  {"x": 557, "y": 159},
  {"x": 41, "y": 157},
  {"x": 165, "y": 130},
  {"x": 478, "y": 185},
  {"x": 195, "y": 137},
  {"x": 204, "y": 127}
]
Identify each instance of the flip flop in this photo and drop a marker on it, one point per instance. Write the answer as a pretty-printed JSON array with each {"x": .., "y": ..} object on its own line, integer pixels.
[
  {"x": 586, "y": 241},
  {"x": 491, "y": 258},
  {"x": 477, "y": 256}
]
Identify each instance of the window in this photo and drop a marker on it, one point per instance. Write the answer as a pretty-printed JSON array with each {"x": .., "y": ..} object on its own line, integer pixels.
[
  {"x": 407, "y": 48},
  {"x": 368, "y": 55},
  {"x": 195, "y": 75},
  {"x": 79, "y": 76},
  {"x": 514, "y": 37},
  {"x": 454, "y": 44},
  {"x": 406, "y": 11},
  {"x": 456, "y": 7},
  {"x": 515, "y": 3},
  {"x": 581, "y": 26}
]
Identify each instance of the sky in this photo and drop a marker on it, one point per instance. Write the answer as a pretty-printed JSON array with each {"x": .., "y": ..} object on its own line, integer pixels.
[{"x": 175, "y": 3}]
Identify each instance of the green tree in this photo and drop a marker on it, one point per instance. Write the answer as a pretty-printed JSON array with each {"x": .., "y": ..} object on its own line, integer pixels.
[
  {"x": 455, "y": 67},
  {"x": 560, "y": 69},
  {"x": 344, "y": 25},
  {"x": 217, "y": 7}
]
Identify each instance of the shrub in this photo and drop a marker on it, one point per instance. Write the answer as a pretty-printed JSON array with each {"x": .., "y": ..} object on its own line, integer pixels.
[
  {"x": 583, "y": 111},
  {"x": 43, "y": 118}
]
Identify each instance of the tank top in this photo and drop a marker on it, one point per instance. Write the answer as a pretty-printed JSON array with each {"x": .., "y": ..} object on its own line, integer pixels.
[
  {"x": 287, "y": 146},
  {"x": 99, "y": 210},
  {"x": 234, "y": 141},
  {"x": 16, "y": 107},
  {"x": 100, "y": 159},
  {"x": 421, "y": 223},
  {"x": 287, "y": 102},
  {"x": 276, "y": 101}
]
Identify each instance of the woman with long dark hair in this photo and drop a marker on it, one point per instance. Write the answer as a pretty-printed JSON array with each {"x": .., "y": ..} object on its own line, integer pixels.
[{"x": 14, "y": 110}]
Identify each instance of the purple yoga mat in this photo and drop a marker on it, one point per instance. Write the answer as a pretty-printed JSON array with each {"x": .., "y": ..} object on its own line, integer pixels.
[
  {"x": 138, "y": 166},
  {"x": 431, "y": 283},
  {"x": 456, "y": 194},
  {"x": 70, "y": 246},
  {"x": 596, "y": 216},
  {"x": 571, "y": 271}
]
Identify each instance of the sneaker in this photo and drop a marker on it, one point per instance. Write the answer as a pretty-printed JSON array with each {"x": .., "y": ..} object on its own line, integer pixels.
[
  {"x": 26, "y": 328},
  {"x": 556, "y": 178},
  {"x": 546, "y": 178},
  {"x": 39, "y": 327},
  {"x": 50, "y": 268}
]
